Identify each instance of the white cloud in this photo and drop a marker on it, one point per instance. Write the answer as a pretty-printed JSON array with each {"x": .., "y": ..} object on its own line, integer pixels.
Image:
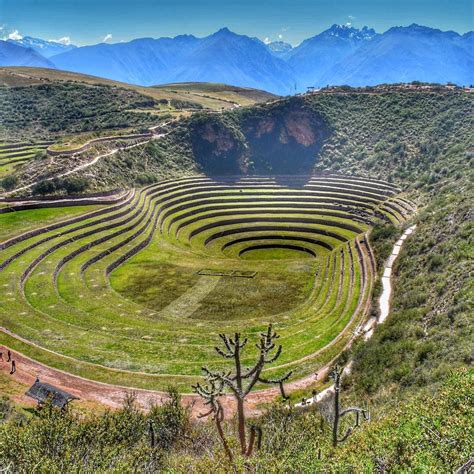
[
  {"x": 267, "y": 40},
  {"x": 351, "y": 17},
  {"x": 15, "y": 35},
  {"x": 280, "y": 37},
  {"x": 107, "y": 37},
  {"x": 66, "y": 40},
  {"x": 348, "y": 23}
]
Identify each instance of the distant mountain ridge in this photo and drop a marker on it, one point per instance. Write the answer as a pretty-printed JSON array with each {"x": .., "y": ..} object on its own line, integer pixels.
[
  {"x": 339, "y": 55},
  {"x": 14, "y": 55},
  {"x": 44, "y": 47},
  {"x": 316, "y": 55}
]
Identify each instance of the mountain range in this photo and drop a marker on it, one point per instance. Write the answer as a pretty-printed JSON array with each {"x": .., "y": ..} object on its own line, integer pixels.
[
  {"x": 44, "y": 47},
  {"x": 339, "y": 55}
]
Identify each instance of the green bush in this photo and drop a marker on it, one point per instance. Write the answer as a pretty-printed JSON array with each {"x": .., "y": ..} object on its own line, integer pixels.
[
  {"x": 74, "y": 185},
  {"x": 44, "y": 188},
  {"x": 116, "y": 441},
  {"x": 9, "y": 182}
]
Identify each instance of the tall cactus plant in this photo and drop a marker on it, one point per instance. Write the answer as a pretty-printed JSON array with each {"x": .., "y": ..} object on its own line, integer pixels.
[
  {"x": 338, "y": 414},
  {"x": 240, "y": 381}
]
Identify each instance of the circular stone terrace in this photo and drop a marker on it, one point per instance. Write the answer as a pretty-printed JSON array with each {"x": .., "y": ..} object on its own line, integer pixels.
[{"x": 136, "y": 293}]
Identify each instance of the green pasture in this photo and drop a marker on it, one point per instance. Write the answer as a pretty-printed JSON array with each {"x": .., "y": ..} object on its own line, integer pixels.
[{"x": 17, "y": 222}]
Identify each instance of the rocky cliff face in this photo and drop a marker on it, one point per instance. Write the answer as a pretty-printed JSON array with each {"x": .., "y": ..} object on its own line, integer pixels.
[{"x": 280, "y": 142}]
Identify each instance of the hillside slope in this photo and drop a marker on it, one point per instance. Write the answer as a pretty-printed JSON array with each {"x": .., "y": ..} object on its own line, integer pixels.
[
  {"x": 61, "y": 98},
  {"x": 209, "y": 95}
]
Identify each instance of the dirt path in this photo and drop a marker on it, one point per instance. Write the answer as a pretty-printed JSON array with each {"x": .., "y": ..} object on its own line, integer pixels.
[
  {"x": 154, "y": 136},
  {"x": 112, "y": 396},
  {"x": 384, "y": 303},
  {"x": 77, "y": 168}
]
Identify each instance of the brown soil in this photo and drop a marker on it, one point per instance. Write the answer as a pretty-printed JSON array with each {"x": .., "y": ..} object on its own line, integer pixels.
[{"x": 112, "y": 396}]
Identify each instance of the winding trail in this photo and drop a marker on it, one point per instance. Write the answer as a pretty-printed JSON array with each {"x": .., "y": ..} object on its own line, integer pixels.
[
  {"x": 154, "y": 136},
  {"x": 77, "y": 168},
  {"x": 384, "y": 302},
  {"x": 384, "y": 305}
]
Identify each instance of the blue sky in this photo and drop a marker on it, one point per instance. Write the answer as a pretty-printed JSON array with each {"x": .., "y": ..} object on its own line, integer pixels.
[{"x": 92, "y": 21}]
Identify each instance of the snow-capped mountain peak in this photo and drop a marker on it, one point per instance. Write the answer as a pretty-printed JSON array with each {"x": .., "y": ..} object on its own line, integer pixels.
[{"x": 44, "y": 47}]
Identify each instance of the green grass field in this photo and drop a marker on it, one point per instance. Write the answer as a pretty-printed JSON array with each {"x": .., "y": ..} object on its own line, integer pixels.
[
  {"x": 14, "y": 155},
  {"x": 137, "y": 293}
]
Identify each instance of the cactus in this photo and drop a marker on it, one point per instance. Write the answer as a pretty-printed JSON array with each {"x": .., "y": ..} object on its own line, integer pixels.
[
  {"x": 151, "y": 433},
  {"x": 338, "y": 414},
  {"x": 241, "y": 382},
  {"x": 211, "y": 393}
]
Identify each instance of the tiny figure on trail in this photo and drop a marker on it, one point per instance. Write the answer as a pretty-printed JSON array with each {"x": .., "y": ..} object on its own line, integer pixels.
[
  {"x": 1, "y": 356},
  {"x": 13, "y": 368},
  {"x": 9, "y": 354}
]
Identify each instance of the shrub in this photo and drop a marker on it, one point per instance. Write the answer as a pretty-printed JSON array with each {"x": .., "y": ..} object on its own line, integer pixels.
[
  {"x": 145, "y": 178},
  {"x": 44, "y": 187},
  {"x": 73, "y": 185},
  {"x": 40, "y": 155},
  {"x": 9, "y": 182}
]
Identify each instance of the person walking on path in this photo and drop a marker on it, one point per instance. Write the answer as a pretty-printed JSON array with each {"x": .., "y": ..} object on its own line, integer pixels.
[{"x": 13, "y": 368}]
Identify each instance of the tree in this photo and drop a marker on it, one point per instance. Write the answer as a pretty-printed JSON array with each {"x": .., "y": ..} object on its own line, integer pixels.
[
  {"x": 240, "y": 382},
  {"x": 338, "y": 414}
]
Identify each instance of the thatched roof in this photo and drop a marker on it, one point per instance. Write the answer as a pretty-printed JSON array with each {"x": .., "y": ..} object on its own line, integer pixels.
[{"x": 41, "y": 392}]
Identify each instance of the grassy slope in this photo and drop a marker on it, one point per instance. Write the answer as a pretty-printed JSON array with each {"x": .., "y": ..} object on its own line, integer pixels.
[
  {"x": 15, "y": 223},
  {"x": 200, "y": 91},
  {"x": 428, "y": 433},
  {"x": 207, "y": 95}
]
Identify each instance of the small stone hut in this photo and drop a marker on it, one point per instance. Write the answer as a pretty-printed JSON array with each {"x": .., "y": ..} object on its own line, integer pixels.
[{"x": 41, "y": 392}]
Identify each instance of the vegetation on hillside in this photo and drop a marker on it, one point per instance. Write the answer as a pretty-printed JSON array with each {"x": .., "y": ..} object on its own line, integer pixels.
[
  {"x": 53, "y": 109},
  {"x": 428, "y": 433},
  {"x": 396, "y": 136}
]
